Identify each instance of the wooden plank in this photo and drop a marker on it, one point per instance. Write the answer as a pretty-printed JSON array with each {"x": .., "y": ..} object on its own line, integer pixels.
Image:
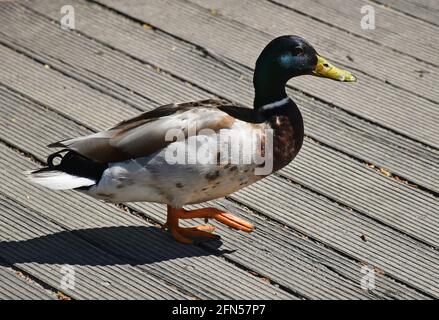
[
  {"x": 15, "y": 286},
  {"x": 344, "y": 230},
  {"x": 42, "y": 248},
  {"x": 238, "y": 42},
  {"x": 328, "y": 125},
  {"x": 426, "y": 10},
  {"x": 366, "y": 191},
  {"x": 289, "y": 266},
  {"x": 342, "y": 47},
  {"x": 392, "y": 29},
  {"x": 47, "y": 80}
]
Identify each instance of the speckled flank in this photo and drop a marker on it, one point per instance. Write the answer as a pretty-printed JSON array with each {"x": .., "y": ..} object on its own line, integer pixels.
[{"x": 212, "y": 176}]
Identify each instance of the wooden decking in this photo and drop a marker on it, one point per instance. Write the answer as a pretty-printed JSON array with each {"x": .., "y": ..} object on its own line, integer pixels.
[{"x": 362, "y": 192}]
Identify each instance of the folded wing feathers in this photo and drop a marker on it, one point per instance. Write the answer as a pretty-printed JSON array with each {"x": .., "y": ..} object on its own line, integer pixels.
[{"x": 144, "y": 134}]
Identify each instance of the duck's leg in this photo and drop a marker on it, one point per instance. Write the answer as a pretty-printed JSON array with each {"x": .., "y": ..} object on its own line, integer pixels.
[{"x": 188, "y": 235}]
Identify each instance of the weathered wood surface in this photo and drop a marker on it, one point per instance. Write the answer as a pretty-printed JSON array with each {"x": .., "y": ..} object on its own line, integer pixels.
[
  {"x": 342, "y": 204},
  {"x": 423, "y": 10}
]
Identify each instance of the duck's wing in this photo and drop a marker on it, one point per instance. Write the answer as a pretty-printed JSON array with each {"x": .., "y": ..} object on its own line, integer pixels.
[{"x": 147, "y": 133}]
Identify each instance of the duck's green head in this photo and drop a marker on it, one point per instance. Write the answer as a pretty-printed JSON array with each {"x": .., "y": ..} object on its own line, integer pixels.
[{"x": 284, "y": 58}]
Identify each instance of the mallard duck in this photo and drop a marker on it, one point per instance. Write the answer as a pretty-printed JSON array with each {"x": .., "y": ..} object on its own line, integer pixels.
[{"x": 154, "y": 157}]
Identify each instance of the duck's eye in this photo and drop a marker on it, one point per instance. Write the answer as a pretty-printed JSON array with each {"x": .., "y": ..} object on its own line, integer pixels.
[
  {"x": 298, "y": 51},
  {"x": 326, "y": 65}
]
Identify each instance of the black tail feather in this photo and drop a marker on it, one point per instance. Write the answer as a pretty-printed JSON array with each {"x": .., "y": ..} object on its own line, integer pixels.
[{"x": 75, "y": 164}]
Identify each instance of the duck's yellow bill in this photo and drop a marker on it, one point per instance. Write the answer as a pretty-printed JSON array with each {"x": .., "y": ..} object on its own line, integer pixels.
[{"x": 327, "y": 70}]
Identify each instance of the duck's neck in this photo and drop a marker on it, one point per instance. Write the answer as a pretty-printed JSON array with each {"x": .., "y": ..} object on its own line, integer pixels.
[
  {"x": 270, "y": 98},
  {"x": 266, "y": 96},
  {"x": 269, "y": 87}
]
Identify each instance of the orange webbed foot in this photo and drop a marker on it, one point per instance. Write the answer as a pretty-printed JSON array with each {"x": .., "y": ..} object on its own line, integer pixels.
[
  {"x": 220, "y": 216},
  {"x": 202, "y": 233}
]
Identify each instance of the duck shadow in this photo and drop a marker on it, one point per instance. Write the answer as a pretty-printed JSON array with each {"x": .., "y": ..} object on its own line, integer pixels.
[{"x": 121, "y": 245}]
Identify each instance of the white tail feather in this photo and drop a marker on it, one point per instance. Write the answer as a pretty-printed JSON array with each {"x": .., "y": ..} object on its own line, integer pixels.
[{"x": 58, "y": 180}]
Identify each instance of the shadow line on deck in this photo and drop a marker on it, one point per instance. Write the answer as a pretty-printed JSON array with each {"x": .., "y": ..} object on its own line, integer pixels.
[{"x": 124, "y": 240}]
